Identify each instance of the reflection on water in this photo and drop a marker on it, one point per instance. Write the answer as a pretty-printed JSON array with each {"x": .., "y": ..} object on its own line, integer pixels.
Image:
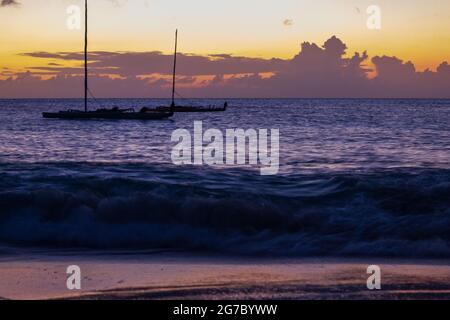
[
  {"x": 315, "y": 134},
  {"x": 357, "y": 177}
]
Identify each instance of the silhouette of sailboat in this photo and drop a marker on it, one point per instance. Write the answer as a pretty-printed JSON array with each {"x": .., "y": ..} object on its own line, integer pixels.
[
  {"x": 178, "y": 108},
  {"x": 114, "y": 113}
]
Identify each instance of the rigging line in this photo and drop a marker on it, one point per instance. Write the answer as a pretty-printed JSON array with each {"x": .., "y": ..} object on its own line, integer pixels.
[
  {"x": 94, "y": 98},
  {"x": 182, "y": 97}
]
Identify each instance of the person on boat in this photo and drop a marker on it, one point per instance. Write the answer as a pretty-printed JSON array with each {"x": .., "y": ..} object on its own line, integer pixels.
[{"x": 225, "y": 105}]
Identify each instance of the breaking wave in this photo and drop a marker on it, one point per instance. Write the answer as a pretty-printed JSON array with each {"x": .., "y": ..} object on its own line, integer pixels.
[{"x": 396, "y": 213}]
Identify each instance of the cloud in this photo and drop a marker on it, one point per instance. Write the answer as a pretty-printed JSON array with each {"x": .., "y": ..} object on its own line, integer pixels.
[
  {"x": 6, "y": 3},
  {"x": 288, "y": 22},
  {"x": 317, "y": 71},
  {"x": 145, "y": 63}
]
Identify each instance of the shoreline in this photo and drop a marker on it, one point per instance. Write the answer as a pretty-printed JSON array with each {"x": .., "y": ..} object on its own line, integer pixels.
[{"x": 181, "y": 276}]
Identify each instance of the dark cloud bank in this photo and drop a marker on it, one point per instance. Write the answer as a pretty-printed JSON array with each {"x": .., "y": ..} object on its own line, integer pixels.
[
  {"x": 316, "y": 72},
  {"x": 5, "y": 3}
]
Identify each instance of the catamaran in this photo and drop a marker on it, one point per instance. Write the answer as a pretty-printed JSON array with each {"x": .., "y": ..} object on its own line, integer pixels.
[{"x": 114, "y": 113}]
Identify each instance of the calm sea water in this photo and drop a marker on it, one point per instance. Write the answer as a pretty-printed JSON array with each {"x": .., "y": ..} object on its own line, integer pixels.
[{"x": 357, "y": 177}]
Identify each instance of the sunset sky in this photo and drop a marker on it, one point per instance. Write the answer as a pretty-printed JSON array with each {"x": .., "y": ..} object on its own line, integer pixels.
[{"x": 412, "y": 30}]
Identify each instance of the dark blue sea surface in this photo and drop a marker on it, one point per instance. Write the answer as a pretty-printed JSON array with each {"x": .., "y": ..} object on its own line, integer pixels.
[{"x": 357, "y": 178}]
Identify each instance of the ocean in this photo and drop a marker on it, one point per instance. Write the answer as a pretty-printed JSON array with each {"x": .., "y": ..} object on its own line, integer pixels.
[{"x": 367, "y": 178}]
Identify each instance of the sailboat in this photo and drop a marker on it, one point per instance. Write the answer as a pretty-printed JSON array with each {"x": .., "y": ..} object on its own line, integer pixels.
[
  {"x": 114, "y": 113},
  {"x": 177, "y": 108}
]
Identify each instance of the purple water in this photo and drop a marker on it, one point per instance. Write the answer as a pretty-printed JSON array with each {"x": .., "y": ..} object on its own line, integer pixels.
[{"x": 357, "y": 177}]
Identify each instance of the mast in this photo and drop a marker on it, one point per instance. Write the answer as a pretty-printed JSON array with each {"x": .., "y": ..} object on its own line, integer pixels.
[
  {"x": 85, "y": 56},
  {"x": 174, "y": 69}
]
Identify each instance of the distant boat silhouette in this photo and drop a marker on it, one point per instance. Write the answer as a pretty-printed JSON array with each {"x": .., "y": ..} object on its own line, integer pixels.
[
  {"x": 177, "y": 108},
  {"x": 114, "y": 113},
  {"x": 194, "y": 108}
]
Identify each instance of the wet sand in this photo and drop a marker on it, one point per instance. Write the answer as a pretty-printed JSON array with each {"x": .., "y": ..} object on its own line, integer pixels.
[{"x": 182, "y": 276}]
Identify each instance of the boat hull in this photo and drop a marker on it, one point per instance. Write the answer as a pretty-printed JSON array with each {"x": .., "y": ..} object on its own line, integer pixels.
[
  {"x": 191, "y": 109},
  {"x": 107, "y": 115}
]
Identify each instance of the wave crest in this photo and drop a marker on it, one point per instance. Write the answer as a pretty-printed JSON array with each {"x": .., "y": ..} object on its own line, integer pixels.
[{"x": 396, "y": 214}]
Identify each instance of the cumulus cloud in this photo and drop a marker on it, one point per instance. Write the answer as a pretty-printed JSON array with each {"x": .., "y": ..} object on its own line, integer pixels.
[
  {"x": 288, "y": 22},
  {"x": 317, "y": 71},
  {"x": 6, "y": 3}
]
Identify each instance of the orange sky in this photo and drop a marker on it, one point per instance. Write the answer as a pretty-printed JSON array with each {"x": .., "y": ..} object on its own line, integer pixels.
[{"x": 414, "y": 30}]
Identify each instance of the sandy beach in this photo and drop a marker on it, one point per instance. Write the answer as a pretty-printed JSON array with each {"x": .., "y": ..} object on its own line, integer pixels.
[{"x": 183, "y": 276}]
